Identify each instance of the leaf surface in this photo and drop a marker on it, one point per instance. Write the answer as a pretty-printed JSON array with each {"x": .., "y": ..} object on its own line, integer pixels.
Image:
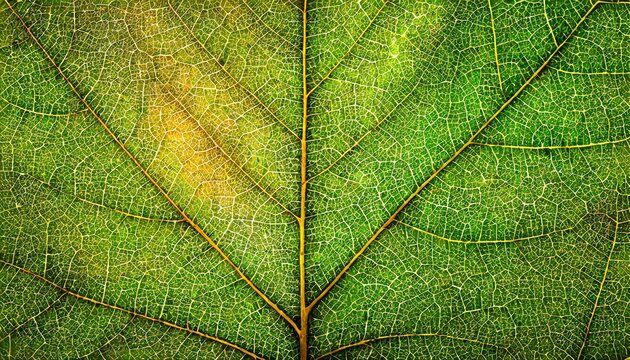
[{"x": 319, "y": 179}]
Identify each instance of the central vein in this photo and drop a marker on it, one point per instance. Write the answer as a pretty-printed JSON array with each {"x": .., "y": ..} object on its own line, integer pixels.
[{"x": 304, "y": 310}]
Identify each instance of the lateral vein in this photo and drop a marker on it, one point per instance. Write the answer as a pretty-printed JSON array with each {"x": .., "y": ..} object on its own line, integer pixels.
[
  {"x": 481, "y": 242},
  {"x": 130, "y": 312},
  {"x": 32, "y": 318},
  {"x": 599, "y": 292},
  {"x": 371, "y": 130},
  {"x": 260, "y": 19},
  {"x": 553, "y": 147},
  {"x": 496, "y": 50}
]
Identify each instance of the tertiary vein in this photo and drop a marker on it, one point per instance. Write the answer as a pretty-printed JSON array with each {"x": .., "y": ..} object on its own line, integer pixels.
[
  {"x": 345, "y": 55},
  {"x": 225, "y": 70},
  {"x": 599, "y": 291},
  {"x": 230, "y": 158}
]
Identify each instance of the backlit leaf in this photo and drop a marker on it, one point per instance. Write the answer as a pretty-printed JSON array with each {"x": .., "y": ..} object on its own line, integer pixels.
[{"x": 371, "y": 179}]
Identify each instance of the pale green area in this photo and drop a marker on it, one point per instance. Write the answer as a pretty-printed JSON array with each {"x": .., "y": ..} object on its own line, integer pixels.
[{"x": 518, "y": 249}]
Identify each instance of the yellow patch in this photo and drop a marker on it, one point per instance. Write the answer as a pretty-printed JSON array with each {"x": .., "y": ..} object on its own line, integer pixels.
[{"x": 203, "y": 124}]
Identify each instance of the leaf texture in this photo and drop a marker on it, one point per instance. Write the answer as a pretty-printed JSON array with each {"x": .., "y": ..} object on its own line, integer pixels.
[{"x": 273, "y": 179}]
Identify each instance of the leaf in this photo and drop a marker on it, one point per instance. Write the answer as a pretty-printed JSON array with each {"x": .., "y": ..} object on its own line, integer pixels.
[{"x": 277, "y": 179}]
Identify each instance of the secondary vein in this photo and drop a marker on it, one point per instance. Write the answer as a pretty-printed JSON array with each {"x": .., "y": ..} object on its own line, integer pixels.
[{"x": 129, "y": 312}]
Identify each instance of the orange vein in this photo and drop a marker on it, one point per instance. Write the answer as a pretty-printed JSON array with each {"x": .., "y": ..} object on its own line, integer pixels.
[
  {"x": 229, "y": 157},
  {"x": 444, "y": 165},
  {"x": 555, "y": 147},
  {"x": 222, "y": 67},
  {"x": 349, "y": 49},
  {"x": 481, "y": 242},
  {"x": 595, "y": 73},
  {"x": 401, "y": 336},
  {"x": 303, "y": 333},
  {"x": 148, "y": 176},
  {"x": 599, "y": 293},
  {"x": 131, "y": 312}
]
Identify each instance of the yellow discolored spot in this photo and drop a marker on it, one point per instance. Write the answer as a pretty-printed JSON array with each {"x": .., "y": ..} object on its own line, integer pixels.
[
  {"x": 189, "y": 154},
  {"x": 212, "y": 140}
]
